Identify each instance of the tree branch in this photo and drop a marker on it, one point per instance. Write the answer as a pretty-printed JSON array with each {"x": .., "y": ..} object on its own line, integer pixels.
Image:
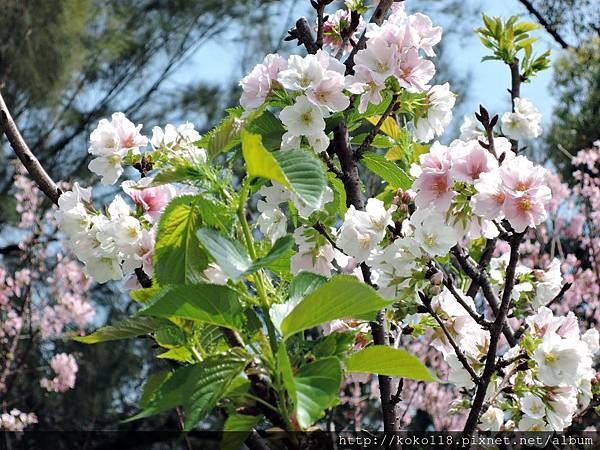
[
  {"x": 351, "y": 180},
  {"x": 373, "y": 133},
  {"x": 303, "y": 34},
  {"x": 31, "y": 163},
  {"x": 543, "y": 22},
  {"x": 488, "y": 293},
  {"x": 459, "y": 354},
  {"x": 499, "y": 322}
]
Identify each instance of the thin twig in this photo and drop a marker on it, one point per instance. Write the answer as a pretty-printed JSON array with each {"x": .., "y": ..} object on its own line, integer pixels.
[
  {"x": 459, "y": 354},
  {"x": 543, "y": 22},
  {"x": 490, "y": 362},
  {"x": 373, "y": 133},
  {"x": 29, "y": 160},
  {"x": 559, "y": 296}
]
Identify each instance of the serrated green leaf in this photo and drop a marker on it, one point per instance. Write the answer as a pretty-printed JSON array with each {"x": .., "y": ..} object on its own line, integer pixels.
[
  {"x": 393, "y": 362},
  {"x": 210, "y": 303},
  {"x": 177, "y": 254},
  {"x": 223, "y": 137},
  {"x": 317, "y": 389},
  {"x": 298, "y": 170},
  {"x": 342, "y": 297},
  {"x": 151, "y": 385},
  {"x": 388, "y": 170},
  {"x": 305, "y": 173},
  {"x": 197, "y": 387},
  {"x": 128, "y": 328}
]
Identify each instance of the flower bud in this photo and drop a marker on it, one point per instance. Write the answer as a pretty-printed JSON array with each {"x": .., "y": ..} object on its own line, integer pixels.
[
  {"x": 435, "y": 290},
  {"x": 437, "y": 278}
]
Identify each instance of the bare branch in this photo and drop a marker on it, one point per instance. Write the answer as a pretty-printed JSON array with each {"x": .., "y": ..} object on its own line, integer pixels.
[
  {"x": 499, "y": 322},
  {"x": 29, "y": 160},
  {"x": 543, "y": 22},
  {"x": 303, "y": 34},
  {"x": 459, "y": 354}
]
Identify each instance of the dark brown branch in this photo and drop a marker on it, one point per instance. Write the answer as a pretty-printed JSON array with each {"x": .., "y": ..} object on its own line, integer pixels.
[
  {"x": 499, "y": 322},
  {"x": 560, "y": 295},
  {"x": 331, "y": 166},
  {"x": 462, "y": 302},
  {"x": 459, "y": 354},
  {"x": 322, "y": 231},
  {"x": 303, "y": 34},
  {"x": 319, "y": 6},
  {"x": 349, "y": 166},
  {"x": 31, "y": 163},
  {"x": 482, "y": 280},
  {"x": 543, "y": 22},
  {"x": 351, "y": 180},
  {"x": 378, "y": 15},
  {"x": 485, "y": 259},
  {"x": 515, "y": 92}
]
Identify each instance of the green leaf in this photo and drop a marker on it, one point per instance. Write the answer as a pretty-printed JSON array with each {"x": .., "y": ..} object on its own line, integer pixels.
[
  {"x": 178, "y": 256},
  {"x": 128, "y": 328},
  {"x": 229, "y": 255},
  {"x": 212, "y": 380},
  {"x": 305, "y": 173},
  {"x": 270, "y": 128},
  {"x": 223, "y": 137},
  {"x": 233, "y": 259},
  {"x": 198, "y": 387},
  {"x": 304, "y": 283},
  {"x": 280, "y": 248},
  {"x": 237, "y": 428},
  {"x": 144, "y": 295},
  {"x": 284, "y": 367},
  {"x": 340, "y": 192},
  {"x": 210, "y": 303},
  {"x": 298, "y": 170},
  {"x": 317, "y": 389},
  {"x": 151, "y": 385},
  {"x": 180, "y": 354},
  {"x": 393, "y": 362},
  {"x": 342, "y": 297},
  {"x": 388, "y": 170}
]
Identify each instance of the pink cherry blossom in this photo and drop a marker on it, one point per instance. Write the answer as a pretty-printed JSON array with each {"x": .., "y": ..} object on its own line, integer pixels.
[
  {"x": 151, "y": 199},
  {"x": 257, "y": 85},
  {"x": 470, "y": 160}
]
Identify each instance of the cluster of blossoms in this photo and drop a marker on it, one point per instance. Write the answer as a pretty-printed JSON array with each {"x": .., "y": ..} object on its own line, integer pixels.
[
  {"x": 337, "y": 29},
  {"x": 65, "y": 368},
  {"x": 113, "y": 143},
  {"x": 476, "y": 187},
  {"x": 524, "y": 123},
  {"x": 317, "y": 85},
  {"x": 554, "y": 385},
  {"x": 116, "y": 243},
  {"x": 16, "y": 420}
]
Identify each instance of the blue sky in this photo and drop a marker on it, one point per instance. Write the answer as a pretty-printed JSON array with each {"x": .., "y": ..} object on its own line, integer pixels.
[{"x": 218, "y": 62}]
